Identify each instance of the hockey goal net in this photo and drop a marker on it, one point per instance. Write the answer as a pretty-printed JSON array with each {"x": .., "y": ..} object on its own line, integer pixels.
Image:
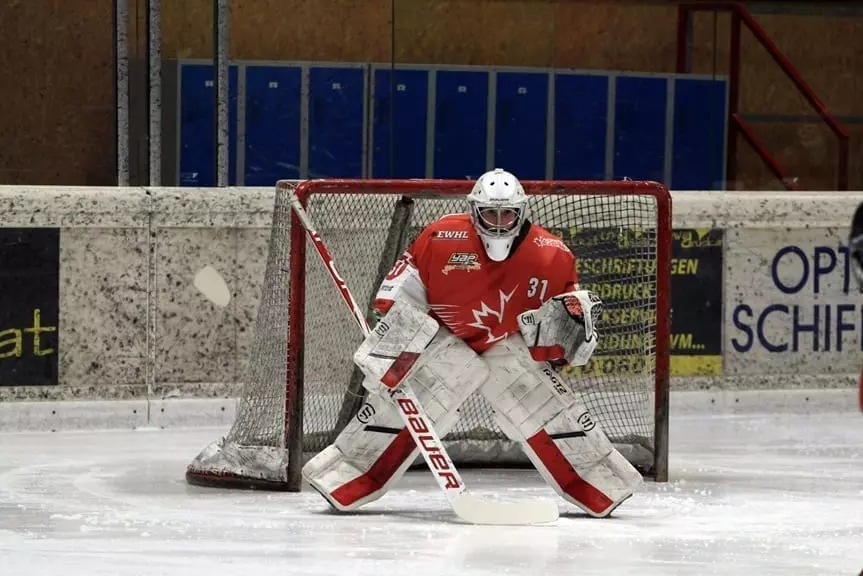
[{"x": 301, "y": 387}]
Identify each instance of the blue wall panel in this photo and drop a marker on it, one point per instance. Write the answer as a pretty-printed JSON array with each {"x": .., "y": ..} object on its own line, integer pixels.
[
  {"x": 639, "y": 128},
  {"x": 336, "y": 120},
  {"x": 580, "y": 119},
  {"x": 339, "y": 105},
  {"x": 399, "y": 131},
  {"x": 521, "y": 115},
  {"x": 461, "y": 124},
  {"x": 272, "y": 124},
  {"x": 197, "y": 134},
  {"x": 699, "y": 135}
]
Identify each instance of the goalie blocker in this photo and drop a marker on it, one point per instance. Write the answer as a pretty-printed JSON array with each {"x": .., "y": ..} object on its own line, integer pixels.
[{"x": 532, "y": 406}]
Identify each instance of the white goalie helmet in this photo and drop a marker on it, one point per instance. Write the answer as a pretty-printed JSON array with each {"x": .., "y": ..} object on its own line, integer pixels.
[{"x": 498, "y": 208}]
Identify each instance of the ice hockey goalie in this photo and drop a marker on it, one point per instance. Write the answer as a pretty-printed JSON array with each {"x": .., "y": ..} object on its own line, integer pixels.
[{"x": 488, "y": 301}]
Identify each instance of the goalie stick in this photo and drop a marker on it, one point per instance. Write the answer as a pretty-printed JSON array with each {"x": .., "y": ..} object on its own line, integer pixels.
[{"x": 466, "y": 506}]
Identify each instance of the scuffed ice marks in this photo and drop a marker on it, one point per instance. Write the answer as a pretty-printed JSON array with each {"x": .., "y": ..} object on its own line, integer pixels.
[{"x": 748, "y": 496}]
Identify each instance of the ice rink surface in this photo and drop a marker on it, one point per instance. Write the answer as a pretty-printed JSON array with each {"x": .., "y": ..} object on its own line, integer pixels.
[{"x": 755, "y": 495}]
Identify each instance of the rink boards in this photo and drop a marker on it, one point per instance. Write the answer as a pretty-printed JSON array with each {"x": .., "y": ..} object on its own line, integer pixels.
[{"x": 98, "y": 301}]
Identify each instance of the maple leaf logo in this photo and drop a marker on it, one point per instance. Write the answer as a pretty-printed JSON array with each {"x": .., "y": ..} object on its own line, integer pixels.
[
  {"x": 486, "y": 313},
  {"x": 449, "y": 315}
]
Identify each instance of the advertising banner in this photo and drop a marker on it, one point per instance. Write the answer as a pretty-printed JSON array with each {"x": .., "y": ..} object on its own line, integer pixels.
[
  {"x": 791, "y": 306},
  {"x": 29, "y": 305},
  {"x": 696, "y": 302},
  {"x": 620, "y": 266}
]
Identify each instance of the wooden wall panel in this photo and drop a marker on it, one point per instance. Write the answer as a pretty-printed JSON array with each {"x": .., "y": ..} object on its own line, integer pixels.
[
  {"x": 518, "y": 33},
  {"x": 57, "y": 96},
  {"x": 56, "y": 68},
  {"x": 806, "y": 151},
  {"x": 187, "y": 29},
  {"x": 340, "y": 30},
  {"x": 711, "y": 35},
  {"x": 834, "y": 68},
  {"x": 615, "y": 36},
  {"x": 828, "y": 53}
]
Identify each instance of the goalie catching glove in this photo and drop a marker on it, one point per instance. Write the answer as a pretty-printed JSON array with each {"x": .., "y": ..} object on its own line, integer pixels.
[{"x": 563, "y": 329}]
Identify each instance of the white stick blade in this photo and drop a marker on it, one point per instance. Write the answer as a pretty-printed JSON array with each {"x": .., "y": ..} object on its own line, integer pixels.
[
  {"x": 213, "y": 286},
  {"x": 477, "y": 511}
]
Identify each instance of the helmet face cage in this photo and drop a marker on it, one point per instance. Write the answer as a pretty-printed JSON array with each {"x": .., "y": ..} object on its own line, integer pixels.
[
  {"x": 498, "y": 209},
  {"x": 496, "y": 220}
]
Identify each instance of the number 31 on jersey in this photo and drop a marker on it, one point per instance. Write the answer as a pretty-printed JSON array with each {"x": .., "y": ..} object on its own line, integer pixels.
[{"x": 535, "y": 283}]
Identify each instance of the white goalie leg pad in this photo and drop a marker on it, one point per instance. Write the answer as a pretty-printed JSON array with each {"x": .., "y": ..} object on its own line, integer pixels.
[
  {"x": 375, "y": 449},
  {"x": 390, "y": 351},
  {"x": 534, "y": 407}
]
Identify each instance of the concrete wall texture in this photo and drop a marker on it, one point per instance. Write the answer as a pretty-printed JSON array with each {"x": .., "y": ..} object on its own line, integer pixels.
[{"x": 57, "y": 125}]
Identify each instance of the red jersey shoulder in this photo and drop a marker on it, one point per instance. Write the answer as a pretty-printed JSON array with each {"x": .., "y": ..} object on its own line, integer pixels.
[
  {"x": 450, "y": 241},
  {"x": 551, "y": 255},
  {"x": 451, "y": 227},
  {"x": 546, "y": 247},
  {"x": 542, "y": 238}
]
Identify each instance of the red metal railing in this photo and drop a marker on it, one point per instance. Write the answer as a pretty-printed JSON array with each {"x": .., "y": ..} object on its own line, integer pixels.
[{"x": 736, "y": 124}]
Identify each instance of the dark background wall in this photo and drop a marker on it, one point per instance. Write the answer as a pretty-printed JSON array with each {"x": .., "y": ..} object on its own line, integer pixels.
[
  {"x": 56, "y": 92},
  {"x": 56, "y": 67}
]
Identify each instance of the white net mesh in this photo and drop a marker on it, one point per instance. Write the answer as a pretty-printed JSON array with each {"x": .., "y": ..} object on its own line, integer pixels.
[{"x": 614, "y": 237}]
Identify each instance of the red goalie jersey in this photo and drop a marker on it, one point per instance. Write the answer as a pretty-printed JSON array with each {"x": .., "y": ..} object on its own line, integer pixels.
[{"x": 447, "y": 273}]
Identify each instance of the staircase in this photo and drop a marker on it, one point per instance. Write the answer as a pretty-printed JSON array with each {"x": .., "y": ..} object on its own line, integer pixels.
[{"x": 737, "y": 126}]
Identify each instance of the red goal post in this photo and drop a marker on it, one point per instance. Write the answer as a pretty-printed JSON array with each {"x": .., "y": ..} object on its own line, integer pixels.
[{"x": 301, "y": 387}]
